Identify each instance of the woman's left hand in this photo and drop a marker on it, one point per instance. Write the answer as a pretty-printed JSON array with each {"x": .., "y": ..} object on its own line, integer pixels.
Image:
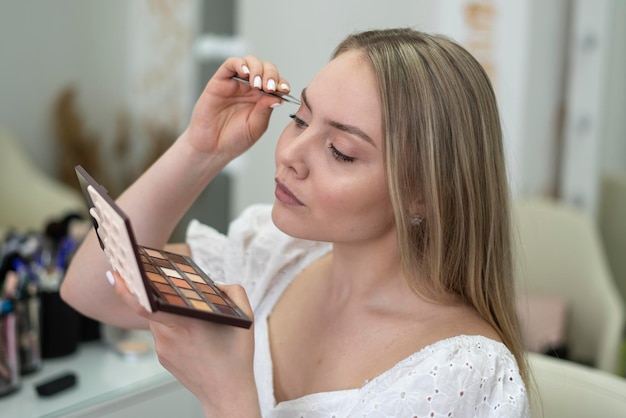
[{"x": 213, "y": 361}]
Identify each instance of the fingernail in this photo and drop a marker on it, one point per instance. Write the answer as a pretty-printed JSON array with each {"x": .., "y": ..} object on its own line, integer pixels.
[
  {"x": 245, "y": 69},
  {"x": 275, "y": 105},
  {"x": 271, "y": 85},
  {"x": 219, "y": 283},
  {"x": 285, "y": 87},
  {"x": 110, "y": 278},
  {"x": 257, "y": 82}
]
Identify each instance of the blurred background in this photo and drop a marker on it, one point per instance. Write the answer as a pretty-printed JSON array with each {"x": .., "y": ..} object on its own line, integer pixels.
[{"x": 111, "y": 84}]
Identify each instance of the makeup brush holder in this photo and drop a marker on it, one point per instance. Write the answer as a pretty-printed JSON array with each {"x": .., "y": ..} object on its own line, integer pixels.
[
  {"x": 59, "y": 326},
  {"x": 10, "y": 379},
  {"x": 28, "y": 313}
]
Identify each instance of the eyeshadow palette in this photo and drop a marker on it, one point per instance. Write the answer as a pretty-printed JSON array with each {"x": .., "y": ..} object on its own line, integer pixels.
[{"x": 161, "y": 280}]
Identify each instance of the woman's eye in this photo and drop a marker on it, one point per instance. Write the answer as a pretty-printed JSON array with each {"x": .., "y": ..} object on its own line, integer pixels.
[
  {"x": 299, "y": 122},
  {"x": 339, "y": 156}
]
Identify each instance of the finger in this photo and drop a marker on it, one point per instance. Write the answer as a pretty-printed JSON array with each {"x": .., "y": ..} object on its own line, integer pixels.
[
  {"x": 125, "y": 294},
  {"x": 283, "y": 85},
  {"x": 270, "y": 77},
  {"x": 255, "y": 67},
  {"x": 232, "y": 66}
]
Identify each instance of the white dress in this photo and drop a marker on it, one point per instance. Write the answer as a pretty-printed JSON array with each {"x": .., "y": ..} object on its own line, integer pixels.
[{"x": 463, "y": 376}]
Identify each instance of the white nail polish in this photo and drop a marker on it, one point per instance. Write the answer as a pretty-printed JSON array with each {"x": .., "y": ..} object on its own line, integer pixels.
[
  {"x": 284, "y": 87},
  {"x": 271, "y": 85},
  {"x": 245, "y": 69},
  {"x": 275, "y": 105},
  {"x": 257, "y": 82},
  {"x": 110, "y": 278}
]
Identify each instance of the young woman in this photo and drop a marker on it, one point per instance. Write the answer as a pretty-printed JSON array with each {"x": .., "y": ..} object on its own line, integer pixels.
[{"x": 380, "y": 280}]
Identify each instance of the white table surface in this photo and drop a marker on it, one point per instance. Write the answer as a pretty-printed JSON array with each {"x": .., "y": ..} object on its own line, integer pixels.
[{"x": 102, "y": 375}]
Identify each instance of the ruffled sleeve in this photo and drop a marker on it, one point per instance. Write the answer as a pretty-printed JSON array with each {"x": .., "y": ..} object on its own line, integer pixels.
[{"x": 466, "y": 376}]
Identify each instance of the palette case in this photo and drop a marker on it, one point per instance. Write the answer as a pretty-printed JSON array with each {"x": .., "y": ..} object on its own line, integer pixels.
[{"x": 161, "y": 280}]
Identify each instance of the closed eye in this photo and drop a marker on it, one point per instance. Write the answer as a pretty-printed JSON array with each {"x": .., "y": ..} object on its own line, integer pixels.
[
  {"x": 299, "y": 122},
  {"x": 339, "y": 156}
]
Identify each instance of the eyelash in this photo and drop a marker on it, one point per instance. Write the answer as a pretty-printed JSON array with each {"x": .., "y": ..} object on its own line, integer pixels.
[
  {"x": 299, "y": 122},
  {"x": 337, "y": 155}
]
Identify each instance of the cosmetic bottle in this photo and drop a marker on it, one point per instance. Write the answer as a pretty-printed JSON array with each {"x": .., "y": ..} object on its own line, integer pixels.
[{"x": 10, "y": 380}]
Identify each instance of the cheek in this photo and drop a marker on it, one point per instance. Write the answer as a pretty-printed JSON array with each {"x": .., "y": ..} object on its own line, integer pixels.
[{"x": 359, "y": 199}]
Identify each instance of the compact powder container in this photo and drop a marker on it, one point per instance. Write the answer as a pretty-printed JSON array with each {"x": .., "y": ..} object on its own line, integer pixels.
[{"x": 161, "y": 280}]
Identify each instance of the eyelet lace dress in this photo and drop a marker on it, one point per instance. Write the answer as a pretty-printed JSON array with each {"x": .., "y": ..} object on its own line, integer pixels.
[{"x": 462, "y": 376}]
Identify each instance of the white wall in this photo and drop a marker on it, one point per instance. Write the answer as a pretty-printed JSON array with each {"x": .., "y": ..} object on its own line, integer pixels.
[
  {"x": 614, "y": 149},
  {"x": 590, "y": 42},
  {"x": 46, "y": 46}
]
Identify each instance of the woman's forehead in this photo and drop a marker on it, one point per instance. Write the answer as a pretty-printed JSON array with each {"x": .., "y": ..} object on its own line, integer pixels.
[{"x": 346, "y": 90}]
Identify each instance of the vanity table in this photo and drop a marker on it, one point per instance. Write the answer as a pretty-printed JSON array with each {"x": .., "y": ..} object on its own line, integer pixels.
[{"x": 108, "y": 385}]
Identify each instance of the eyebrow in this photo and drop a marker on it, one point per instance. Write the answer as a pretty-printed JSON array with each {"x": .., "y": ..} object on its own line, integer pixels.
[{"x": 350, "y": 129}]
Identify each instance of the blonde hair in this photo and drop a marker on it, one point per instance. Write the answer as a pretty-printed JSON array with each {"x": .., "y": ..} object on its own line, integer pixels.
[{"x": 444, "y": 158}]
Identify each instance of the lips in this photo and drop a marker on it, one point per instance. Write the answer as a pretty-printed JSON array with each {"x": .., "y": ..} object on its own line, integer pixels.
[{"x": 284, "y": 195}]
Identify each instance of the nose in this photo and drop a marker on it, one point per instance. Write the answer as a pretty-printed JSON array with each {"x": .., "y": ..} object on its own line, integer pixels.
[{"x": 294, "y": 153}]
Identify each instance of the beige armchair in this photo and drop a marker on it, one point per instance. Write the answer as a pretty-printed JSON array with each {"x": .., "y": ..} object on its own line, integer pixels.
[
  {"x": 612, "y": 221},
  {"x": 560, "y": 255},
  {"x": 567, "y": 389},
  {"x": 29, "y": 197}
]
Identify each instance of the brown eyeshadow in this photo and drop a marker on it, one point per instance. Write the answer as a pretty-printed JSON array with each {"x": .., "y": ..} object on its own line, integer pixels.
[
  {"x": 177, "y": 300},
  {"x": 162, "y": 263},
  {"x": 149, "y": 268},
  {"x": 156, "y": 277},
  {"x": 214, "y": 298},
  {"x": 186, "y": 268},
  {"x": 205, "y": 288},
  {"x": 177, "y": 258},
  {"x": 163, "y": 288}
]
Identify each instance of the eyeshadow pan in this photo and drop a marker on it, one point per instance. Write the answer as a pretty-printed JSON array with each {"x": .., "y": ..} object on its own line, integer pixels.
[
  {"x": 177, "y": 258},
  {"x": 156, "y": 277},
  {"x": 201, "y": 305},
  {"x": 191, "y": 294},
  {"x": 164, "y": 288},
  {"x": 214, "y": 298},
  {"x": 161, "y": 263},
  {"x": 225, "y": 309},
  {"x": 177, "y": 300},
  {"x": 195, "y": 278},
  {"x": 205, "y": 288},
  {"x": 180, "y": 283},
  {"x": 150, "y": 268},
  {"x": 186, "y": 268},
  {"x": 171, "y": 273},
  {"x": 153, "y": 253}
]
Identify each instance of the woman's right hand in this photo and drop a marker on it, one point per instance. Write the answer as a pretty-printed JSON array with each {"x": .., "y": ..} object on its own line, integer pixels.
[{"x": 229, "y": 116}]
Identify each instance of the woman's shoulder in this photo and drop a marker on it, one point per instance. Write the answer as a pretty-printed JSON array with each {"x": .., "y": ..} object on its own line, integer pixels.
[{"x": 467, "y": 373}]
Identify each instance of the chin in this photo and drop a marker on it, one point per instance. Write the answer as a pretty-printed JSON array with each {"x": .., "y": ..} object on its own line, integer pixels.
[{"x": 293, "y": 224}]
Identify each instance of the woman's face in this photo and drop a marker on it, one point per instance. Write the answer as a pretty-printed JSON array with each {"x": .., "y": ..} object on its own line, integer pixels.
[{"x": 330, "y": 177}]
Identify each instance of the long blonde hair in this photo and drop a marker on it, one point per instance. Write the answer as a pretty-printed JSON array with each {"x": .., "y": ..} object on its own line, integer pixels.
[{"x": 444, "y": 158}]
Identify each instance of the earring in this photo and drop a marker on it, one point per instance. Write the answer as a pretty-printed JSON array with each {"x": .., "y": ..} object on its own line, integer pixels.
[{"x": 415, "y": 219}]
